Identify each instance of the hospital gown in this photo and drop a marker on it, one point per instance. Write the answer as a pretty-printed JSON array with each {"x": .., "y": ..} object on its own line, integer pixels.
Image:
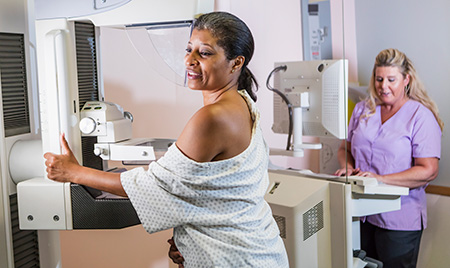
[{"x": 217, "y": 209}]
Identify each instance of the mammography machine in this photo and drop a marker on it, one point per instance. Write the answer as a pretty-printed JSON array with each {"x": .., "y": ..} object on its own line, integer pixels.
[
  {"x": 64, "y": 109},
  {"x": 60, "y": 39}
]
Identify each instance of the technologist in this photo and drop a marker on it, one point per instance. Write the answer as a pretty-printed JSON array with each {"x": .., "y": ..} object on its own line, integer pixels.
[
  {"x": 394, "y": 135},
  {"x": 210, "y": 185}
]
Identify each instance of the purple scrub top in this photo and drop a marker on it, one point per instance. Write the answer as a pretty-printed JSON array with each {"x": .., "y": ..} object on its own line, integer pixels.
[{"x": 412, "y": 132}]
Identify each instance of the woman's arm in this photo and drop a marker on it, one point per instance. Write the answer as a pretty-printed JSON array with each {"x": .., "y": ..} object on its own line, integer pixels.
[
  {"x": 65, "y": 168},
  {"x": 423, "y": 171},
  {"x": 346, "y": 160}
]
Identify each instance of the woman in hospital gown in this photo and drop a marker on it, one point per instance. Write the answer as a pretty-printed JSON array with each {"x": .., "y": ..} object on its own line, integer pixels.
[
  {"x": 210, "y": 185},
  {"x": 395, "y": 136}
]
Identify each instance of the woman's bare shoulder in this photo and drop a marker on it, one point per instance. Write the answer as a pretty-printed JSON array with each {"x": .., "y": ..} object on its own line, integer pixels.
[
  {"x": 215, "y": 130},
  {"x": 201, "y": 137}
]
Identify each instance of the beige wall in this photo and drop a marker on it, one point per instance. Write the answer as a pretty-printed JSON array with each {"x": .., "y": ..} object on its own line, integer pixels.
[
  {"x": 435, "y": 244},
  {"x": 130, "y": 247}
]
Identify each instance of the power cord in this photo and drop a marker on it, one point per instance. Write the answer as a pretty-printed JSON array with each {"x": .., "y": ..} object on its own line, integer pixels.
[{"x": 285, "y": 99}]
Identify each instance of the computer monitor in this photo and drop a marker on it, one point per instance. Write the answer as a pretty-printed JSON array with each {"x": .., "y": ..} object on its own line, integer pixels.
[{"x": 320, "y": 88}]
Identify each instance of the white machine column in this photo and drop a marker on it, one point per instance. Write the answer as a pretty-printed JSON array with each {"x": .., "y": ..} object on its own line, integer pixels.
[{"x": 298, "y": 132}]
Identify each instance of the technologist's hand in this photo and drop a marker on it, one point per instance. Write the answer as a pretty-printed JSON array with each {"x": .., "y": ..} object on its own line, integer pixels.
[
  {"x": 370, "y": 175},
  {"x": 174, "y": 254},
  {"x": 60, "y": 167},
  {"x": 350, "y": 171},
  {"x": 358, "y": 172}
]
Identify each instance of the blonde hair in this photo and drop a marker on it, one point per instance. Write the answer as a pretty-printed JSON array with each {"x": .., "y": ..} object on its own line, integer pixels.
[{"x": 415, "y": 89}]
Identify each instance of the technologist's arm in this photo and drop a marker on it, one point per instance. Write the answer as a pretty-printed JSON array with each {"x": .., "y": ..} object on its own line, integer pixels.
[
  {"x": 346, "y": 161},
  {"x": 65, "y": 168},
  {"x": 424, "y": 170}
]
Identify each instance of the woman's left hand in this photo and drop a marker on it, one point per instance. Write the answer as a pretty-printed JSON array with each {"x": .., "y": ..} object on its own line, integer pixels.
[
  {"x": 61, "y": 167},
  {"x": 174, "y": 254}
]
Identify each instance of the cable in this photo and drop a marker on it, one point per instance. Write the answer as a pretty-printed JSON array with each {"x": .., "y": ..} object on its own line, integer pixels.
[{"x": 285, "y": 99}]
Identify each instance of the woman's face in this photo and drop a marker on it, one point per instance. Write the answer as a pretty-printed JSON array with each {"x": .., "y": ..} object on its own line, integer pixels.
[
  {"x": 206, "y": 65},
  {"x": 390, "y": 84}
]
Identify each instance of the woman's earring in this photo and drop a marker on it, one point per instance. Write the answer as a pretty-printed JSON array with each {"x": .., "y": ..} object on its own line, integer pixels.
[
  {"x": 407, "y": 89},
  {"x": 232, "y": 70}
]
